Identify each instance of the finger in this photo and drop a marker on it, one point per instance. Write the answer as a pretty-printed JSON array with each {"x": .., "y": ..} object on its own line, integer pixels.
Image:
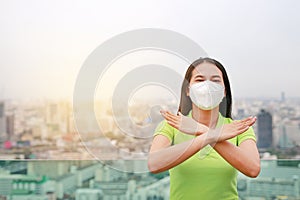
[
  {"x": 168, "y": 112},
  {"x": 249, "y": 121},
  {"x": 245, "y": 124},
  {"x": 174, "y": 120},
  {"x": 168, "y": 118},
  {"x": 162, "y": 112},
  {"x": 252, "y": 121},
  {"x": 165, "y": 114},
  {"x": 246, "y": 120},
  {"x": 243, "y": 130},
  {"x": 175, "y": 125},
  {"x": 172, "y": 116}
]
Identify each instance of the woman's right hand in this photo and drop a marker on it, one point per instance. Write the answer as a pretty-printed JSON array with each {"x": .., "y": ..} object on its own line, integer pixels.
[
  {"x": 228, "y": 131},
  {"x": 184, "y": 124}
]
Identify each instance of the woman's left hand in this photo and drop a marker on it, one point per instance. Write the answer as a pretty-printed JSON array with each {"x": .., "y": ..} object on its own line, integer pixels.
[{"x": 184, "y": 124}]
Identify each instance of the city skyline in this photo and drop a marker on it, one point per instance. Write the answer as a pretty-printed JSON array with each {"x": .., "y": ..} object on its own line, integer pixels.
[{"x": 45, "y": 129}]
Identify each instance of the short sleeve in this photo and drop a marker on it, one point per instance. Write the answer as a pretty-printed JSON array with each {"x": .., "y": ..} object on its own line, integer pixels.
[
  {"x": 163, "y": 128},
  {"x": 249, "y": 134}
]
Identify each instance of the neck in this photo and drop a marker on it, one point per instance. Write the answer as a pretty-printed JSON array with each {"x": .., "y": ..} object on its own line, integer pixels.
[{"x": 206, "y": 117}]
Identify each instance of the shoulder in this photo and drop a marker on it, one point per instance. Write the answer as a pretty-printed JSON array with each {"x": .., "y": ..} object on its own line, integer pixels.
[{"x": 163, "y": 128}]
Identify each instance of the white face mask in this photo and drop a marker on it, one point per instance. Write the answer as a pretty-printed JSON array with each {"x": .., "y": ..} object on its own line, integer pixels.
[{"x": 207, "y": 94}]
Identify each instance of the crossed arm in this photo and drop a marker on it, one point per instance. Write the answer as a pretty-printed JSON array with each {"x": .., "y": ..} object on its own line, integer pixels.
[{"x": 244, "y": 157}]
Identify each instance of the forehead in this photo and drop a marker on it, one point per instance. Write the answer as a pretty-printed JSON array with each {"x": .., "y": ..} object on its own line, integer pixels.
[{"x": 206, "y": 69}]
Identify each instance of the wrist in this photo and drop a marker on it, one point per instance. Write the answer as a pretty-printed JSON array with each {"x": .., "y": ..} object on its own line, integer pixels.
[
  {"x": 201, "y": 129},
  {"x": 211, "y": 138},
  {"x": 206, "y": 139}
]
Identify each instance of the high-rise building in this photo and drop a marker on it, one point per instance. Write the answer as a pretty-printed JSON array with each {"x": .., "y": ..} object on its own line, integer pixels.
[
  {"x": 284, "y": 140},
  {"x": 3, "y": 135},
  {"x": 10, "y": 126},
  {"x": 264, "y": 129}
]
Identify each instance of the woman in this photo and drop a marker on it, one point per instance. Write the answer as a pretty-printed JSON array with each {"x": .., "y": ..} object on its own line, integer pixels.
[{"x": 201, "y": 146}]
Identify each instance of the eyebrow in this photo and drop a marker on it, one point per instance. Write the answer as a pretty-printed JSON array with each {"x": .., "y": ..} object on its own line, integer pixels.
[
  {"x": 216, "y": 76},
  {"x": 201, "y": 76}
]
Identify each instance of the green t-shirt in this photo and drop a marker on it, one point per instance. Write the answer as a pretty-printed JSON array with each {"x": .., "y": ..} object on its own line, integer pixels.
[{"x": 205, "y": 175}]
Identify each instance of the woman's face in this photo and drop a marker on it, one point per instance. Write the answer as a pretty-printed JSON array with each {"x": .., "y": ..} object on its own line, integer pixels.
[{"x": 207, "y": 71}]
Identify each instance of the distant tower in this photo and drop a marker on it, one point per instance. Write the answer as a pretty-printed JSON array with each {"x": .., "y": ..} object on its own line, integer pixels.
[
  {"x": 284, "y": 141},
  {"x": 2, "y": 123},
  {"x": 10, "y": 126},
  {"x": 264, "y": 129}
]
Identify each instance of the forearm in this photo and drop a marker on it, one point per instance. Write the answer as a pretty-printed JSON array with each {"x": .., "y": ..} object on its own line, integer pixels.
[
  {"x": 172, "y": 156},
  {"x": 245, "y": 160}
]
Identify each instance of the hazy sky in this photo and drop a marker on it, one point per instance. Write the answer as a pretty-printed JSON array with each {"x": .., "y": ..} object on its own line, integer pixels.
[{"x": 44, "y": 43}]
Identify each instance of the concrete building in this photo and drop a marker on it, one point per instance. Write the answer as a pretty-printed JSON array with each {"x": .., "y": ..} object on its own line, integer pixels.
[
  {"x": 274, "y": 182},
  {"x": 19, "y": 186},
  {"x": 265, "y": 130},
  {"x": 3, "y": 134},
  {"x": 10, "y": 126}
]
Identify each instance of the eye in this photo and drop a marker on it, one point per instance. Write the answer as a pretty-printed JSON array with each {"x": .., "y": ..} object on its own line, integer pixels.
[
  {"x": 199, "y": 80},
  {"x": 216, "y": 80}
]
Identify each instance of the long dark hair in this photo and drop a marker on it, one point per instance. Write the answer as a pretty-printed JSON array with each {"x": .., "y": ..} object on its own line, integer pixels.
[{"x": 185, "y": 105}]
